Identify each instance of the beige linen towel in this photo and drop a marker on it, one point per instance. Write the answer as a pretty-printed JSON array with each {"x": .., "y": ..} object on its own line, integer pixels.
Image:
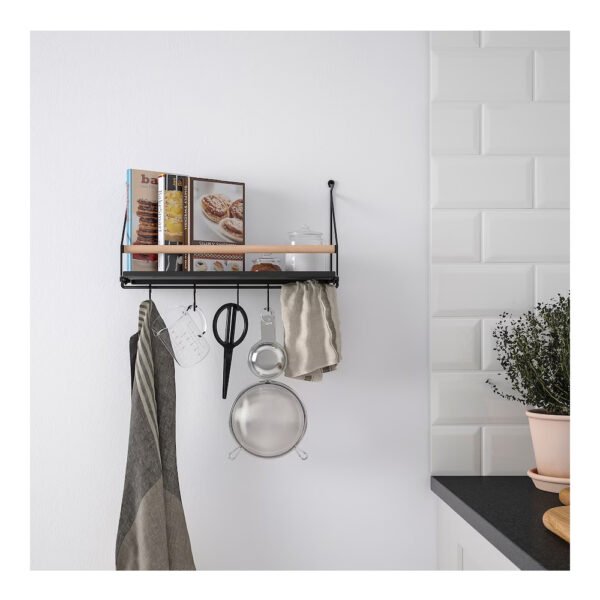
[
  {"x": 311, "y": 329},
  {"x": 152, "y": 532}
]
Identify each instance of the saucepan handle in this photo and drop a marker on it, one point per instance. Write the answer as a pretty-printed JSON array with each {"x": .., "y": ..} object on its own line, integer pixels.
[
  {"x": 234, "y": 453},
  {"x": 301, "y": 453},
  {"x": 267, "y": 327}
]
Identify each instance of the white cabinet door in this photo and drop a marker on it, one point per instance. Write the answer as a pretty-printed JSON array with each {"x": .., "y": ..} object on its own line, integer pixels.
[{"x": 462, "y": 548}]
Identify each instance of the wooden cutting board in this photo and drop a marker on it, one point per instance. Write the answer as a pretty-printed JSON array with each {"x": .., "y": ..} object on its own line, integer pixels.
[{"x": 558, "y": 519}]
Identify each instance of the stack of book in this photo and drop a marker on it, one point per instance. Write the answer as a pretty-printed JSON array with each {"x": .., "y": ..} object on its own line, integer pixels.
[{"x": 172, "y": 209}]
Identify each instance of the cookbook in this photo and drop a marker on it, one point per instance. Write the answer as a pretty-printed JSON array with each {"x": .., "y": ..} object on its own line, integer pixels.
[
  {"x": 142, "y": 217},
  {"x": 214, "y": 213},
  {"x": 170, "y": 219}
]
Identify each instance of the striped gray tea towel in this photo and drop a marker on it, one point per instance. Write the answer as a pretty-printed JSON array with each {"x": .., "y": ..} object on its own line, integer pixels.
[
  {"x": 152, "y": 532},
  {"x": 311, "y": 329}
]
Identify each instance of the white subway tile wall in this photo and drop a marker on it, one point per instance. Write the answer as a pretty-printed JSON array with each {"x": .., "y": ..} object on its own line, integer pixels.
[
  {"x": 489, "y": 358},
  {"x": 550, "y": 280},
  {"x": 455, "y": 129},
  {"x": 500, "y": 75},
  {"x": 459, "y": 398},
  {"x": 525, "y": 39},
  {"x": 522, "y": 235},
  {"x": 456, "y": 236},
  {"x": 500, "y": 228},
  {"x": 454, "y": 39},
  {"x": 506, "y": 449},
  {"x": 456, "y": 450},
  {"x": 526, "y": 128},
  {"x": 480, "y": 290},
  {"x": 552, "y": 75},
  {"x": 455, "y": 344},
  {"x": 482, "y": 182},
  {"x": 552, "y": 182}
]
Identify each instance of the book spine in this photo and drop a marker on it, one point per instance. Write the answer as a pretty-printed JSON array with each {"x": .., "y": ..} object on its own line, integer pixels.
[
  {"x": 129, "y": 227},
  {"x": 187, "y": 263},
  {"x": 173, "y": 220},
  {"x": 161, "y": 219}
]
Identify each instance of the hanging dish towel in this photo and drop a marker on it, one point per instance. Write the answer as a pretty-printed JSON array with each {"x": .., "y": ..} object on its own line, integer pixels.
[
  {"x": 311, "y": 329},
  {"x": 152, "y": 531}
]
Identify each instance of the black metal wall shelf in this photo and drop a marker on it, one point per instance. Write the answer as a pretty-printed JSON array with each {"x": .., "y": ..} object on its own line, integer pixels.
[
  {"x": 227, "y": 280},
  {"x": 245, "y": 279}
]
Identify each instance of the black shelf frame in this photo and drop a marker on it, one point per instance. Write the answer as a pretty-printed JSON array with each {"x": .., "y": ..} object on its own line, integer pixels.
[
  {"x": 218, "y": 280},
  {"x": 155, "y": 280}
]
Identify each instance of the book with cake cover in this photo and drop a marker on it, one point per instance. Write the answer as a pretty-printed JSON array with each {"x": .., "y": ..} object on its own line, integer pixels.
[
  {"x": 170, "y": 219},
  {"x": 142, "y": 217},
  {"x": 214, "y": 213}
]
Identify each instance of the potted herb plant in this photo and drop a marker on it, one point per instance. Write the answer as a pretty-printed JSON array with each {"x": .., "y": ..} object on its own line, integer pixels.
[{"x": 534, "y": 352}]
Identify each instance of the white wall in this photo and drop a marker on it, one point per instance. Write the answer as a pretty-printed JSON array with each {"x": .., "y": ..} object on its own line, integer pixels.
[
  {"x": 284, "y": 113},
  {"x": 500, "y": 228}
]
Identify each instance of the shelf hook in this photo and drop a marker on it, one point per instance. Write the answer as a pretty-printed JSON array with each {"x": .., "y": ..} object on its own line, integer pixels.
[
  {"x": 149, "y": 292},
  {"x": 268, "y": 304},
  {"x": 194, "y": 297}
]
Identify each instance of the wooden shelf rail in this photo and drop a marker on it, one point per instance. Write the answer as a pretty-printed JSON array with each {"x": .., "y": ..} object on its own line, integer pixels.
[{"x": 229, "y": 249}]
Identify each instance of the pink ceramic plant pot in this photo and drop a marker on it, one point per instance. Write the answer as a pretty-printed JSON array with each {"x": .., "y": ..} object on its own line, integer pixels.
[{"x": 550, "y": 435}]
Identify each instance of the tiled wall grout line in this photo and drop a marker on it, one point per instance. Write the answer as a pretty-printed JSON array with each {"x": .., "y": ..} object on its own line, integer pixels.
[
  {"x": 533, "y": 180},
  {"x": 481, "y": 451},
  {"x": 492, "y": 155},
  {"x": 530, "y": 209},
  {"x": 533, "y": 76},
  {"x": 488, "y": 372},
  {"x": 503, "y": 263},
  {"x": 527, "y": 101},
  {"x": 481, "y": 342},
  {"x": 509, "y": 185},
  {"x": 481, "y": 240},
  {"x": 481, "y": 126}
]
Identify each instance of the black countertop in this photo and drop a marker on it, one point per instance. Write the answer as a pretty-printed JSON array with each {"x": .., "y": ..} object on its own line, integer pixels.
[{"x": 507, "y": 511}]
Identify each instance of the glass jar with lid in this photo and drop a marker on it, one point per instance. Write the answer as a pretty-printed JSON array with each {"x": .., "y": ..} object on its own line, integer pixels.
[
  {"x": 266, "y": 262},
  {"x": 306, "y": 262}
]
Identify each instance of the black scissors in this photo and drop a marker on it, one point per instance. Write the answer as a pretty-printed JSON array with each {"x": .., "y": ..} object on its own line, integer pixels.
[{"x": 230, "y": 342}]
